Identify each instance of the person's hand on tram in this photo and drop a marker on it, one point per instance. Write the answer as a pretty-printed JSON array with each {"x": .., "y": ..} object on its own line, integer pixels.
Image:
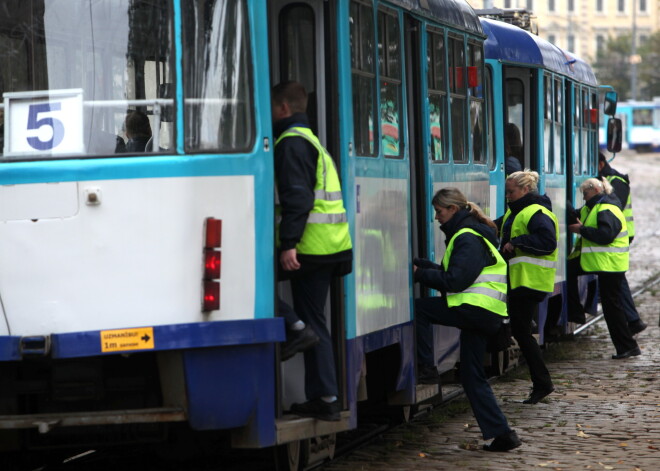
[
  {"x": 289, "y": 260},
  {"x": 575, "y": 228},
  {"x": 425, "y": 263}
]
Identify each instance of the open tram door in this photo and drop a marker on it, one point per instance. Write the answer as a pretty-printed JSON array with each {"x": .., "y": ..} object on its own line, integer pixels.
[
  {"x": 519, "y": 89},
  {"x": 298, "y": 32}
]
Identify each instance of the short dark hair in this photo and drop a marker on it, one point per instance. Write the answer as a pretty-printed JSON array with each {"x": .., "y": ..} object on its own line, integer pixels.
[
  {"x": 293, "y": 93},
  {"x": 137, "y": 124},
  {"x": 602, "y": 158}
]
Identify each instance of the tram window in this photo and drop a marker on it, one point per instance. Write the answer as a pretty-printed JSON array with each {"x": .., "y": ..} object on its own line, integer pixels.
[
  {"x": 218, "y": 103},
  {"x": 297, "y": 53},
  {"x": 389, "y": 60},
  {"x": 474, "y": 77},
  {"x": 363, "y": 79},
  {"x": 457, "y": 100},
  {"x": 576, "y": 132},
  {"x": 515, "y": 100},
  {"x": 491, "y": 118},
  {"x": 593, "y": 135},
  {"x": 558, "y": 127},
  {"x": 101, "y": 58},
  {"x": 584, "y": 133},
  {"x": 642, "y": 117},
  {"x": 548, "y": 142},
  {"x": 435, "y": 58}
]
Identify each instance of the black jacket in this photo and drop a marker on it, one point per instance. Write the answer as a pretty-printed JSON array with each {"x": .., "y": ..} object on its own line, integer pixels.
[
  {"x": 542, "y": 237},
  {"x": 621, "y": 189},
  {"x": 469, "y": 256},
  {"x": 295, "y": 170},
  {"x": 137, "y": 144},
  {"x": 609, "y": 225}
]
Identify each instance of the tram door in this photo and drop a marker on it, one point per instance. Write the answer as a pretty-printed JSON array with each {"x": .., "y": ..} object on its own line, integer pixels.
[
  {"x": 518, "y": 119},
  {"x": 297, "y": 30},
  {"x": 297, "y": 53},
  {"x": 420, "y": 197}
]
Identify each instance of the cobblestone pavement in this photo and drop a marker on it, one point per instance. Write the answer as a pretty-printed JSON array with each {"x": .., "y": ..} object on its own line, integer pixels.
[{"x": 604, "y": 414}]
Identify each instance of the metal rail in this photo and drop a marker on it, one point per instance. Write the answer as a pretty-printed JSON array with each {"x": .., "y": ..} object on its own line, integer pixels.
[{"x": 648, "y": 284}]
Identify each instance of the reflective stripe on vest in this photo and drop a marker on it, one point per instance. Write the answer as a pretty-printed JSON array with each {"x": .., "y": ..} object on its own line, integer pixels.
[
  {"x": 612, "y": 257},
  {"x": 627, "y": 210},
  {"x": 525, "y": 269},
  {"x": 326, "y": 231},
  {"x": 488, "y": 290}
]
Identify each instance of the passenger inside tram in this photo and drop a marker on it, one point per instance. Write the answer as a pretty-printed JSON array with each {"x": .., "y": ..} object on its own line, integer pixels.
[
  {"x": 512, "y": 149},
  {"x": 138, "y": 132}
]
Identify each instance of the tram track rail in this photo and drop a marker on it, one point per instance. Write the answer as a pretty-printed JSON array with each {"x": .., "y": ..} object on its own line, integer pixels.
[
  {"x": 457, "y": 392},
  {"x": 371, "y": 428}
]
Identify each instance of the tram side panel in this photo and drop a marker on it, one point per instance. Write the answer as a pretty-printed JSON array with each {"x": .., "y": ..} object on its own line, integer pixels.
[{"x": 105, "y": 258}]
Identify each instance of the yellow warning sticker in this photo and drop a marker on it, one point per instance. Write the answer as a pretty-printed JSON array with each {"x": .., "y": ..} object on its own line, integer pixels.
[{"x": 127, "y": 339}]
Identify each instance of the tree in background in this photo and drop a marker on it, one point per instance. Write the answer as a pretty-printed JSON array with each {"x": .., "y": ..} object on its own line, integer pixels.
[
  {"x": 649, "y": 69},
  {"x": 615, "y": 58}
]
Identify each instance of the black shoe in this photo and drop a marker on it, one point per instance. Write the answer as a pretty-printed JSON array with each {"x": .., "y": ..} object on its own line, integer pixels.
[
  {"x": 636, "y": 326},
  {"x": 505, "y": 442},
  {"x": 298, "y": 341},
  {"x": 577, "y": 317},
  {"x": 428, "y": 375},
  {"x": 318, "y": 409},
  {"x": 630, "y": 353},
  {"x": 537, "y": 394}
]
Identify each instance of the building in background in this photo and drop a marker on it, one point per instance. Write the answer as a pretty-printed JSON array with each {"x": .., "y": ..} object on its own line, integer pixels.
[{"x": 583, "y": 26}]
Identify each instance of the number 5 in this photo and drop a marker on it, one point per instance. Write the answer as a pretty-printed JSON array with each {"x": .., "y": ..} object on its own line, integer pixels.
[{"x": 35, "y": 123}]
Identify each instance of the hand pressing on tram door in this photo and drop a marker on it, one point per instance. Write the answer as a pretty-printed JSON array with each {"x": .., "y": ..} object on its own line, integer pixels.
[
  {"x": 472, "y": 280},
  {"x": 575, "y": 228},
  {"x": 423, "y": 263}
]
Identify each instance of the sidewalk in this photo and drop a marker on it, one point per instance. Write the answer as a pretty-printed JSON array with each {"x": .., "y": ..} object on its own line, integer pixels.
[{"x": 604, "y": 415}]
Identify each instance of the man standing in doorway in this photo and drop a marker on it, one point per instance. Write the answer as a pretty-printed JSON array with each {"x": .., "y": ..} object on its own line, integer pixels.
[{"x": 314, "y": 244}]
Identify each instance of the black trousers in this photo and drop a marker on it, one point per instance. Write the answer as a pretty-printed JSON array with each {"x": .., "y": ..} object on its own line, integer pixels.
[
  {"x": 523, "y": 306},
  {"x": 609, "y": 287},
  {"x": 627, "y": 301},
  {"x": 476, "y": 326},
  {"x": 309, "y": 290}
]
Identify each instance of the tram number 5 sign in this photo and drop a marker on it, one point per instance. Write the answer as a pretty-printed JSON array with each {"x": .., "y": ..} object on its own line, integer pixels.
[{"x": 44, "y": 122}]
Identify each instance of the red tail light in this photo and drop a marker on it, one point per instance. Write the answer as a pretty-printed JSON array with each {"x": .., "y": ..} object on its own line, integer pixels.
[
  {"x": 212, "y": 264},
  {"x": 211, "y": 296},
  {"x": 213, "y": 233}
]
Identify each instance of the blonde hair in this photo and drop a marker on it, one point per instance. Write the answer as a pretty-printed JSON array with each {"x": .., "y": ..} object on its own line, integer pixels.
[
  {"x": 603, "y": 186},
  {"x": 446, "y": 197},
  {"x": 525, "y": 179}
]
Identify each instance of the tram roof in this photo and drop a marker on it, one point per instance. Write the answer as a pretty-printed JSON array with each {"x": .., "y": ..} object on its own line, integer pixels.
[
  {"x": 456, "y": 13},
  {"x": 509, "y": 43}
]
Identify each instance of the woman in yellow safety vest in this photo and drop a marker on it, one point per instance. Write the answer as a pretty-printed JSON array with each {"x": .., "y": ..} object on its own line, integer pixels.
[
  {"x": 472, "y": 280},
  {"x": 529, "y": 234},
  {"x": 602, "y": 249}
]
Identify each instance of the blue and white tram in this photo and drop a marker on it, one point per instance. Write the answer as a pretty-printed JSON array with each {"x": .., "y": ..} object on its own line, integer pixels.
[
  {"x": 552, "y": 97},
  {"x": 137, "y": 288},
  {"x": 641, "y": 125}
]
